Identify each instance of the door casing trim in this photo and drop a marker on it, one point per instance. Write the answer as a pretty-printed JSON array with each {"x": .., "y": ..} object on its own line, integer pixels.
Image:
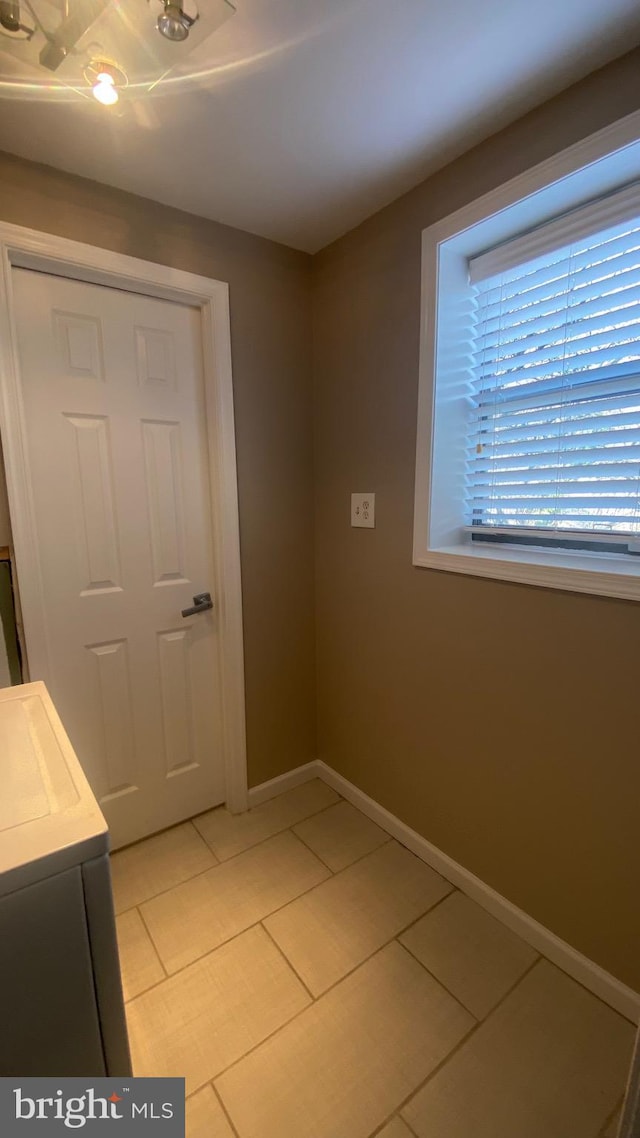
[{"x": 44, "y": 252}]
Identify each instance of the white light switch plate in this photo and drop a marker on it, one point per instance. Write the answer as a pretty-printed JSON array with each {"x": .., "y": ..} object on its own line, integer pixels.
[{"x": 363, "y": 510}]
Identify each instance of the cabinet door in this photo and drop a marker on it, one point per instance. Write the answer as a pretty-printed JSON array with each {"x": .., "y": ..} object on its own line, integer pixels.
[{"x": 46, "y": 983}]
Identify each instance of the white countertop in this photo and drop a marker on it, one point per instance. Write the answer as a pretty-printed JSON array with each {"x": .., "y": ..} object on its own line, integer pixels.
[{"x": 49, "y": 818}]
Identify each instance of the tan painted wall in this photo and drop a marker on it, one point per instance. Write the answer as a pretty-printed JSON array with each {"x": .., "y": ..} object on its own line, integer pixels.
[
  {"x": 270, "y": 329},
  {"x": 500, "y": 721}
]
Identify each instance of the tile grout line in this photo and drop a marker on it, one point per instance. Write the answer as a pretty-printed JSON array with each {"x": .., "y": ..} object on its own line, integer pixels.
[
  {"x": 218, "y": 1100},
  {"x": 315, "y": 999},
  {"x": 455, "y": 888},
  {"x": 278, "y": 833},
  {"x": 357, "y": 860},
  {"x": 385, "y": 842},
  {"x": 202, "y": 839},
  {"x": 336, "y": 983},
  {"x": 261, "y": 841},
  {"x": 139, "y": 904},
  {"x": 400, "y": 1106},
  {"x": 223, "y": 1108},
  {"x": 260, "y": 922},
  {"x": 219, "y": 865},
  {"x": 267, "y": 1038},
  {"x": 392, "y": 1117},
  {"x": 379, "y": 948},
  {"x": 461, "y": 1043},
  {"x": 428, "y": 912},
  {"x": 409, "y": 1128},
  {"x": 222, "y": 806},
  {"x": 153, "y": 945},
  {"x": 433, "y": 976},
  {"x": 217, "y": 860},
  {"x": 614, "y": 1011},
  {"x": 264, "y": 916},
  {"x": 297, "y": 1015},
  {"x": 293, "y": 900},
  {"x": 480, "y": 1019},
  {"x": 311, "y": 850},
  {"x": 288, "y": 962},
  {"x": 335, "y": 873},
  {"x": 255, "y": 846},
  {"x": 234, "y": 936}
]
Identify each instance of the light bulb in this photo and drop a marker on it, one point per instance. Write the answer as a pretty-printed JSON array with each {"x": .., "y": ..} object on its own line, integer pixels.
[
  {"x": 172, "y": 24},
  {"x": 104, "y": 89}
]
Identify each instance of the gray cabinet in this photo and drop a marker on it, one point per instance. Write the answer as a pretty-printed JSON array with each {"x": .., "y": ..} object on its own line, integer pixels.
[{"x": 60, "y": 988}]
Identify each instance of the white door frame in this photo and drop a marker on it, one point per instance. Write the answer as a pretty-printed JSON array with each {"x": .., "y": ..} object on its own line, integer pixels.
[{"x": 30, "y": 249}]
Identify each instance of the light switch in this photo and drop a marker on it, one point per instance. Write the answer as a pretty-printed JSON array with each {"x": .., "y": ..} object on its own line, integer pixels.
[{"x": 363, "y": 510}]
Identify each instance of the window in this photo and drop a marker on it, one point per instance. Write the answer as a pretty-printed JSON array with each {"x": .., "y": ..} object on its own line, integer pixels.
[
  {"x": 528, "y": 464},
  {"x": 554, "y": 423}
]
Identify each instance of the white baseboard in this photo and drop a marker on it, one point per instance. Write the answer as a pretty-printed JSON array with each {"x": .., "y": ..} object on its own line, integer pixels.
[
  {"x": 266, "y": 790},
  {"x": 579, "y": 967}
]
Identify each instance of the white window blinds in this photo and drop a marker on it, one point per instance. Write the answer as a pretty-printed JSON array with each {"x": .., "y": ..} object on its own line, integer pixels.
[{"x": 554, "y": 437}]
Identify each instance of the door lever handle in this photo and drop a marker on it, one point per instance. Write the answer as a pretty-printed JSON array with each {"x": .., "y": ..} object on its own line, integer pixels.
[{"x": 201, "y": 602}]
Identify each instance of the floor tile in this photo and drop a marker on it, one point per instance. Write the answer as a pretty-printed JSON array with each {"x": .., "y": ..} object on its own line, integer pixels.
[
  {"x": 348, "y": 1061},
  {"x": 395, "y": 1129},
  {"x": 205, "y": 1116},
  {"x": 229, "y": 834},
  {"x": 196, "y": 1023},
  {"x": 158, "y": 863},
  {"x": 199, "y": 915},
  {"x": 329, "y": 931},
  {"x": 476, "y": 957},
  {"x": 139, "y": 964},
  {"x": 549, "y": 1063},
  {"x": 340, "y": 835}
]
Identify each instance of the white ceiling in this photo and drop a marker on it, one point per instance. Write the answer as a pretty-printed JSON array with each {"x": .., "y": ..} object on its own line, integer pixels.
[{"x": 309, "y": 115}]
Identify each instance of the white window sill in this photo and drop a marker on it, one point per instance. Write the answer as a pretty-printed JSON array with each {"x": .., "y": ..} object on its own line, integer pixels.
[{"x": 605, "y": 574}]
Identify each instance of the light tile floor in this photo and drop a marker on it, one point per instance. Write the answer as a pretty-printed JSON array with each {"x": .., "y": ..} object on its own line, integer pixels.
[{"x": 311, "y": 978}]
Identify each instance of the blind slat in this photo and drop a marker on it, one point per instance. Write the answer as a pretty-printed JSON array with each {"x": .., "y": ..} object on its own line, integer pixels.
[
  {"x": 554, "y": 401},
  {"x": 480, "y": 472},
  {"x": 555, "y": 314},
  {"x": 569, "y": 365},
  {"x": 570, "y": 344},
  {"x": 612, "y": 428},
  {"x": 568, "y": 391},
  {"x": 550, "y": 281}
]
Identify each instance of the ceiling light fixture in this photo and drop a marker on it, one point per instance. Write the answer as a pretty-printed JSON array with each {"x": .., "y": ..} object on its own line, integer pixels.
[
  {"x": 67, "y": 39},
  {"x": 174, "y": 23},
  {"x": 104, "y": 89},
  {"x": 11, "y": 20},
  {"x": 105, "y": 78}
]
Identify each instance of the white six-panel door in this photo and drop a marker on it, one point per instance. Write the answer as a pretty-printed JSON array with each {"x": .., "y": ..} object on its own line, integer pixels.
[{"x": 114, "y": 411}]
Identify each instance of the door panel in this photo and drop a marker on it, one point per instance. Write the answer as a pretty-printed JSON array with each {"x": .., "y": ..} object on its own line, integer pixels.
[{"x": 113, "y": 397}]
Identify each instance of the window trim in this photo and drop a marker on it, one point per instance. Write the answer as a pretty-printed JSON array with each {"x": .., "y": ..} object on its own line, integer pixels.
[{"x": 596, "y": 165}]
